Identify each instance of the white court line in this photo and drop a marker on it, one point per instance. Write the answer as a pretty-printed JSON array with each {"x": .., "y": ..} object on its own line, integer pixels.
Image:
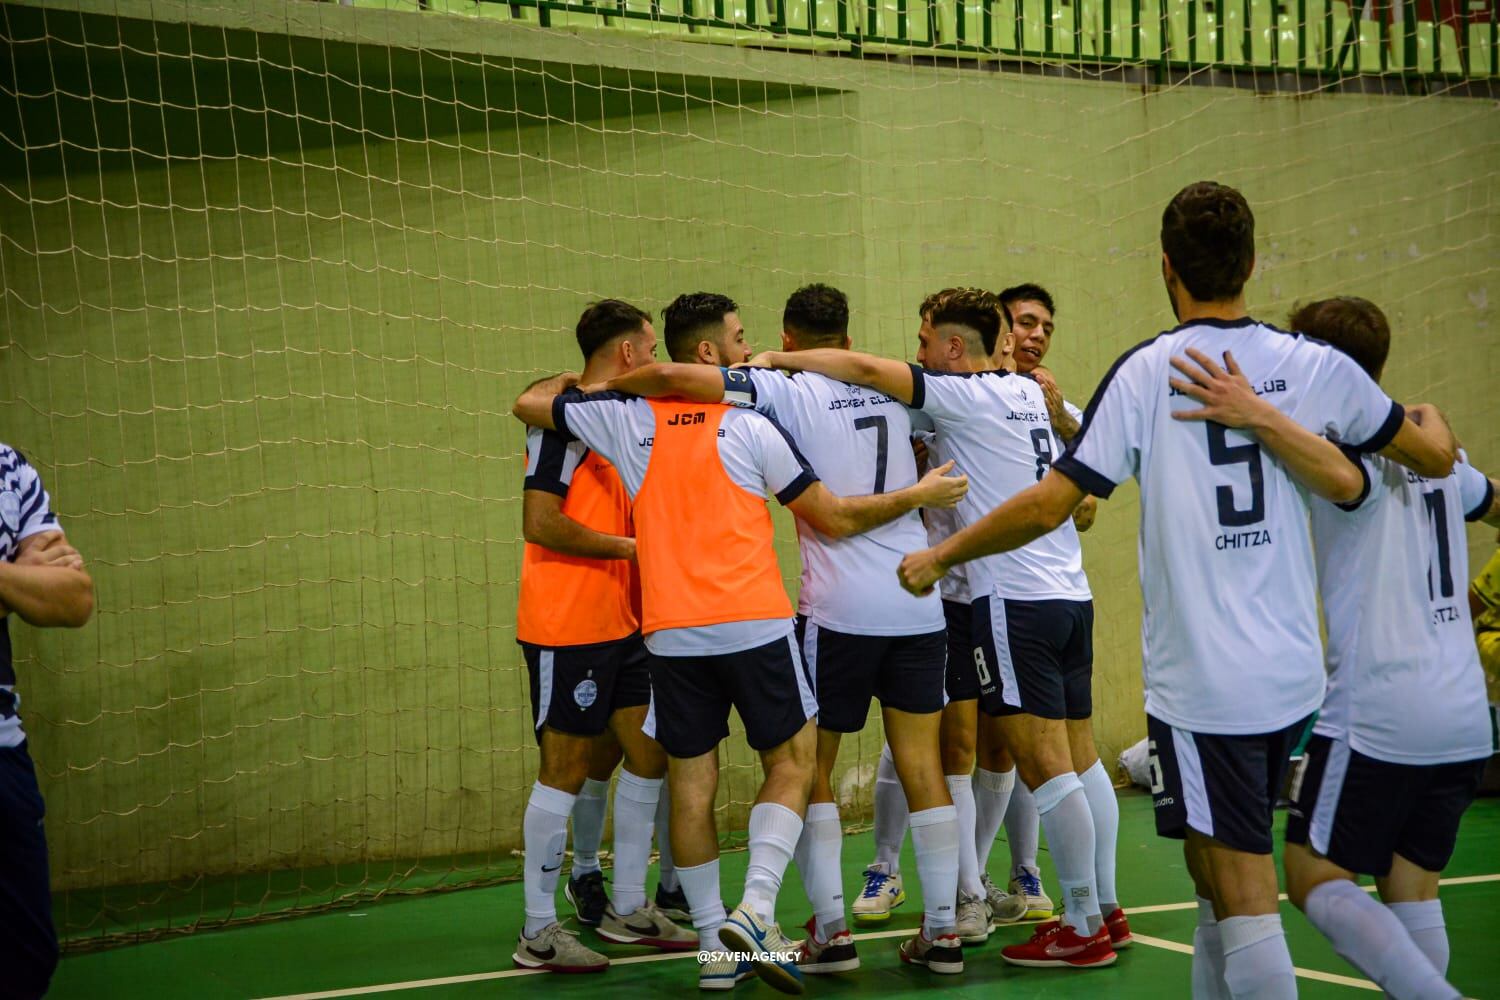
[{"x": 1151, "y": 942}]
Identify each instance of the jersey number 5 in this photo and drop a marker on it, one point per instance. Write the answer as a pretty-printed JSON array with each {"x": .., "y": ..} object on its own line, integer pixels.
[{"x": 1221, "y": 452}]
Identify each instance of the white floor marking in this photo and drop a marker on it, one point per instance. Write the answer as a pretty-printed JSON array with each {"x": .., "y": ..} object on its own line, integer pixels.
[{"x": 1150, "y": 942}]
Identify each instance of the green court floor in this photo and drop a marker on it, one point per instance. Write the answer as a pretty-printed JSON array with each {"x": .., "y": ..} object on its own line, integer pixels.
[{"x": 459, "y": 944}]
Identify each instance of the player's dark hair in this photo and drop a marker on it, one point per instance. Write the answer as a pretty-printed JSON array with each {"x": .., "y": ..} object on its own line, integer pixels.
[
  {"x": 686, "y": 317},
  {"x": 974, "y": 308},
  {"x": 817, "y": 316},
  {"x": 1208, "y": 233},
  {"x": 1353, "y": 325},
  {"x": 605, "y": 320},
  {"x": 932, "y": 301},
  {"x": 1025, "y": 292}
]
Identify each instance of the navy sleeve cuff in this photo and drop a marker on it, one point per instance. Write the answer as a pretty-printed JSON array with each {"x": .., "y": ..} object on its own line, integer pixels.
[
  {"x": 546, "y": 485},
  {"x": 560, "y": 415},
  {"x": 1484, "y": 505},
  {"x": 1089, "y": 480},
  {"x": 1364, "y": 474},
  {"x": 1387, "y": 432},
  {"x": 795, "y": 488},
  {"x": 739, "y": 387},
  {"x": 918, "y": 387}
]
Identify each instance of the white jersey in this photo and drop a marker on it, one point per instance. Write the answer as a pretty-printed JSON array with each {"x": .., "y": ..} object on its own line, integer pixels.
[
  {"x": 25, "y": 510},
  {"x": 1230, "y": 624},
  {"x": 858, "y": 441},
  {"x": 995, "y": 426},
  {"x": 758, "y": 456},
  {"x": 1404, "y": 680}
]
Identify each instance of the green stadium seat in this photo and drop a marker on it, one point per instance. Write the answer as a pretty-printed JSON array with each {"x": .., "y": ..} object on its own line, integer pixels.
[
  {"x": 1064, "y": 38},
  {"x": 654, "y": 25},
  {"x": 960, "y": 22},
  {"x": 823, "y": 15},
  {"x": 1481, "y": 47},
  {"x": 1424, "y": 48},
  {"x": 1151, "y": 40},
  {"x": 1449, "y": 59},
  {"x": 1093, "y": 33},
  {"x": 1003, "y": 25}
]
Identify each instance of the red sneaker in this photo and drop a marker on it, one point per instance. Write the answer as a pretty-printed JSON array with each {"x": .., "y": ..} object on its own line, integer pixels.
[
  {"x": 1058, "y": 945},
  {"x": 1119, "y": 929}
]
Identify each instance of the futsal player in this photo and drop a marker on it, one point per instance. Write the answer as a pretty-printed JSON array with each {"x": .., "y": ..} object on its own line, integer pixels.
[
  {"x": 1032, "y": 619},
  {"x": 720, "y": 630},
  {"x": 42, "y": 582},
  {"x": 580, "y": 633},
  {"x": 704, "y": 328},
  {"x": 861, "y": 635},
  {"x": 1232, "y": 658},
  {"x": 1404, "y": 732}
]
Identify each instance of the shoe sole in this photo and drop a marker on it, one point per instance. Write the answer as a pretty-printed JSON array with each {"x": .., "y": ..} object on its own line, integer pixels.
[
  {"x": 716, "y": 985},
  {"x": 524, "y": 963},
  {"x": 731, "y": 937},
  {"x": 975, "y": 938},
  {"x": 662, "y": 943},
  {"x": 1038, "y": 914},
  {"x": 1059, "y": 963},
  {"x": 568, "y": 895},
  {"x": 879, "y": 917},
  {"x": 826, "y": 968},
  {"x": 1124, "y": 942},
  {"x": 941, "y": 968},
  {"x": 1007, "y": 921}
]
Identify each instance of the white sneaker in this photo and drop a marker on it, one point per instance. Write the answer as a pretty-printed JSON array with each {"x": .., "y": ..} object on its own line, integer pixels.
[
  {"x": 1005, "y": 907},
  {"x": 721, "y": 972},
  {"x": 648, "y": 926},
  {"x": 557, "y": 950},
  {"x": 971, "y": 919},
  {"x": 774, "y": 957},
  {"x": 882, "y": 894},
  {"x": 1028, "y": 884}
]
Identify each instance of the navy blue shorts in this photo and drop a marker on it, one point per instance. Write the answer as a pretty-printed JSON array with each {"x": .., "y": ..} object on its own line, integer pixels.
[
  {"x": 904, "y": 671},
  {"x": 1359, "y": 812},
  {"x": 1221, "y": 786},
  {"x": 961, "y": 680},
  {"x": 1037, "y": 657},
  {"x": 575, "y": 689},
  {"x": 28, "y": 943},
  {"x": 691, "y": 697}
]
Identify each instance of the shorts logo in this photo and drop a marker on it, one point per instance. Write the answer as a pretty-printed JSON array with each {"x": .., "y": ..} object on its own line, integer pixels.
[{"x": 585, "y": 694}]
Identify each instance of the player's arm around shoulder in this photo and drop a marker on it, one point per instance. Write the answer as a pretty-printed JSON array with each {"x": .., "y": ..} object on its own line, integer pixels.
[
  {"x": 668, "y": 379},
  {"x": 47, "y": 585},
  {"x": 839, "y": 517},
  {"x": 1424, "y": 442},
  {"x": 894, "y": 378},
  {"x": 534, "y": 406}
]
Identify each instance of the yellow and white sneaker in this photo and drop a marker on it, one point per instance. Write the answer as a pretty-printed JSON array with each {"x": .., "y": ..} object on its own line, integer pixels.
[{"x": 882, "y": 894}]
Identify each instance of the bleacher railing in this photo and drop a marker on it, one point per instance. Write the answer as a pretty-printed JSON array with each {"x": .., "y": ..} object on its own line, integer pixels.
[{"x": 1452, "y": 39}]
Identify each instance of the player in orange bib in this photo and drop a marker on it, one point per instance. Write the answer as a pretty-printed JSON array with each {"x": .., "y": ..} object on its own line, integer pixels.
[
  {"x": 578, "y": 626},
  {"x": 719, "y": 628}
]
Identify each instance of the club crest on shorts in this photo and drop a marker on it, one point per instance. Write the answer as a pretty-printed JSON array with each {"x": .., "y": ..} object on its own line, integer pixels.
[{"x": 585, "y": 694}]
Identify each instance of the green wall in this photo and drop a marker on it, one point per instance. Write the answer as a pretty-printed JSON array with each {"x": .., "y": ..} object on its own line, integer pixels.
[{"x": 263, "y": 351}]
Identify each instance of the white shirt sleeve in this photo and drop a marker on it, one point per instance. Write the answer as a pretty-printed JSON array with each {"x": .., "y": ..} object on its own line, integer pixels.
[
  {"x": 761, "y": 389},
  {"x": 1475, "y": 493},
  {"x": 1106, "y": 451},
  {"x": 1350, "y": 408},
  {"x": 611, "y": 423},
  {"x": 761, "y": 458},
  {"x": 943, "y": 395},
  {"x": 1073, "y": 411},
  {"x": 36, "y": 506}
]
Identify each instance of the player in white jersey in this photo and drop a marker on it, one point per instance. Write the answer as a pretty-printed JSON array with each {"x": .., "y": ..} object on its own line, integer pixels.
[
  {"x": 719, "y": 627},
  {"x": 1404, "y": 733},
  {"x": 704, "y": 328},
  {"x": 42, "y": 582},
  {"x": 861, "y": 634},
  {"x": 980, "y": 796},
  {"x": 1032, "y": 610},
  {"x": 1232, "y": 657}
]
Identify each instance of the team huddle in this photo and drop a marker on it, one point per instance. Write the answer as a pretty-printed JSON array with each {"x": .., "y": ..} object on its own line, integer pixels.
[{"x": 938, "y": 508}]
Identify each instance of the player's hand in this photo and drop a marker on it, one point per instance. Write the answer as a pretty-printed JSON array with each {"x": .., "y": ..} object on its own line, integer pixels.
[
  {"x": 1225, "y": 393},
  {"x": 942, "y": 490},
  {"x": 1084, "y": 514},
  {"x": 919, "y": 572},
  {"x": 765, "y": 359},
  {"x": 1050, "y": 390},
  {"x": 59, "y": 553},
  {"x": 593, "y": 387}
]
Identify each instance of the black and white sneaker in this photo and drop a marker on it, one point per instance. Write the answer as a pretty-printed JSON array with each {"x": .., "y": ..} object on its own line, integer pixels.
[
  {"x": 837, "y": 954},
  {"x": 673, "y": 905},
  {"x": 586, "y": 893}
]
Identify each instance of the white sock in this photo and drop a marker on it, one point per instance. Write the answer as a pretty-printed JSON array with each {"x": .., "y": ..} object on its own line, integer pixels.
[
  {"x": 667, "y": 873},
  {"x": 588, "y": 826},
  {"x": 1105, "y": 809},
  {"x": 1424, "y": 922},
  {"x": 545, "y": 829},
  {"x": 819, "y": 856},
  {"x": 700, "y": 884},
  {"x": 1064, "y": 809},
  {"x": 890, "y": 814},
  {"x": 937, "y": 842},
  {"x": 1257, "y": 965},
  {"x": 1371, "y": 938},
  {"x": 774, "y": 831},
  {"x": 992, "y": 791},
  {"x": 961, "y": 788},
  {"x": 1208, "y": 956},
  {"x": 635, "y": 814},
  {"x": 1022, "y": 830}
]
